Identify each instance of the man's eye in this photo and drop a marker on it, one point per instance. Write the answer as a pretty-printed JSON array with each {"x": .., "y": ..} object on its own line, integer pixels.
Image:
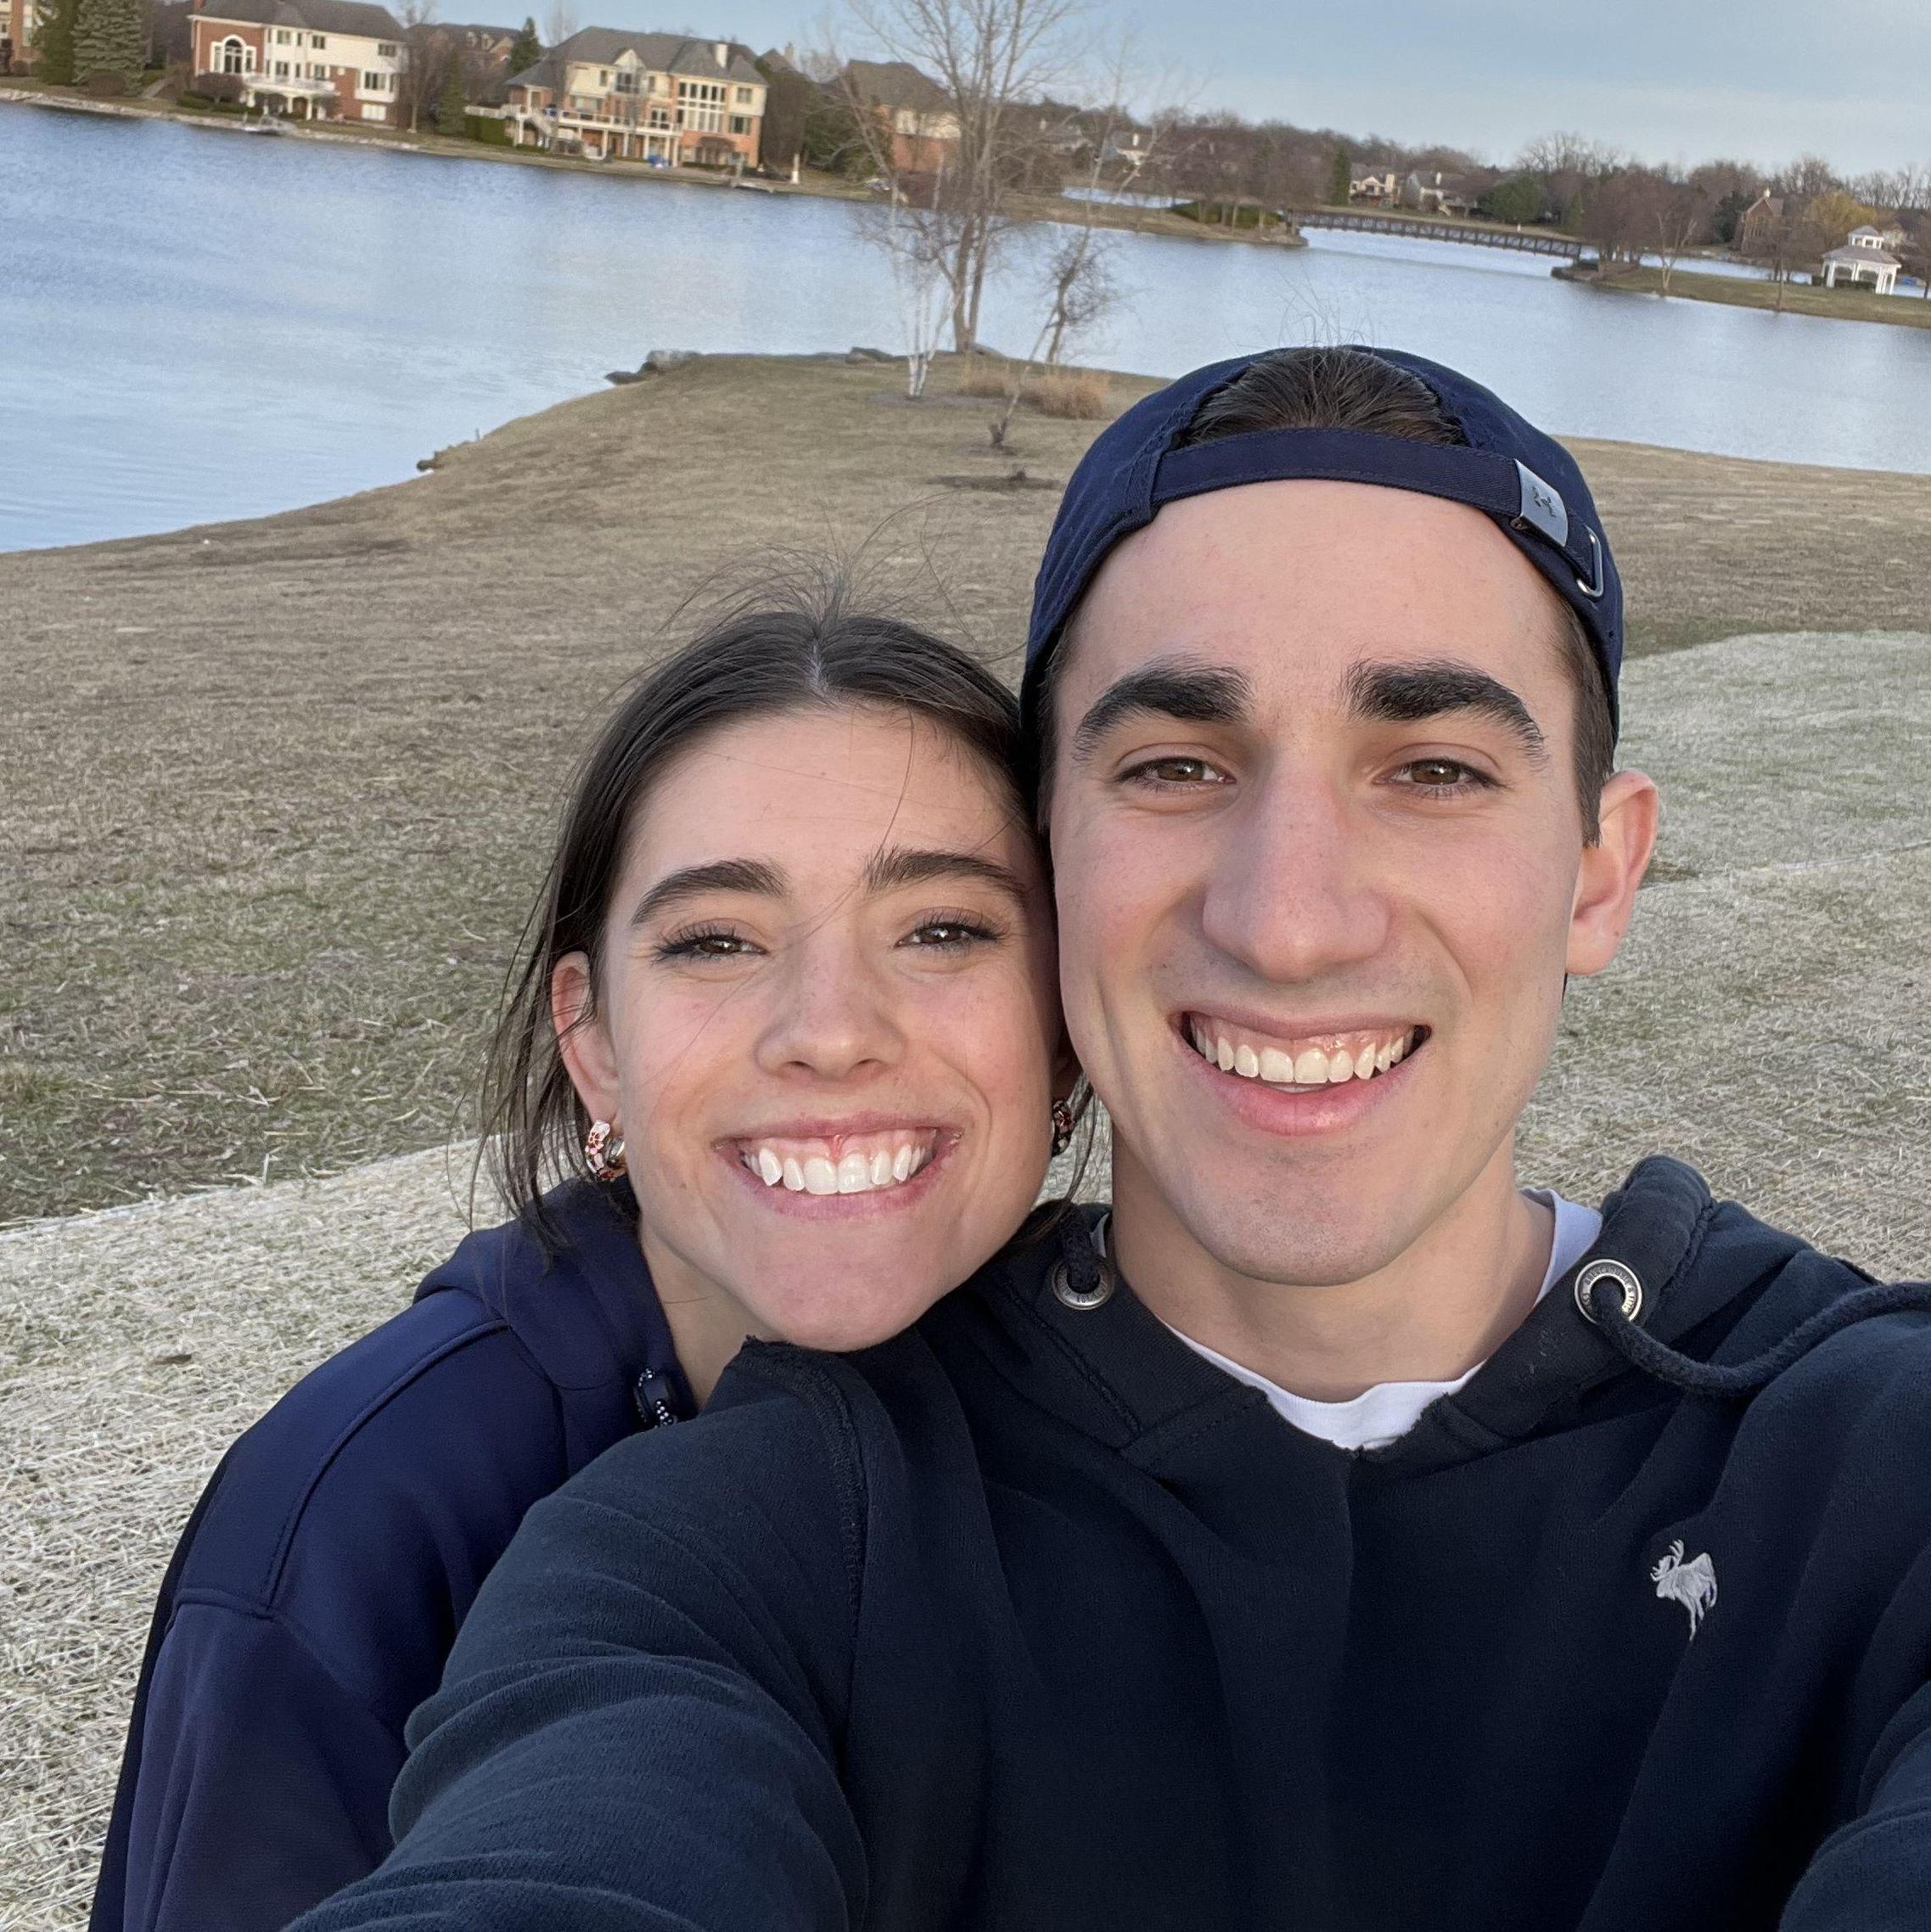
[
  {"x": 1174, "y": 773},
  {"x": 1441, "y": 775}
]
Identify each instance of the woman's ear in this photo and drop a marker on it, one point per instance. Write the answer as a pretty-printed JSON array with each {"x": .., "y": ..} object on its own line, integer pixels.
[
  {"x": 583, "y": 1039},
  {"x": 1612, "y": 870}
]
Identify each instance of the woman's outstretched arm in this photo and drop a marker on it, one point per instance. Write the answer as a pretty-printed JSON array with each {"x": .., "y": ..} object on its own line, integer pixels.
[{"x": 637, "y": 1728}]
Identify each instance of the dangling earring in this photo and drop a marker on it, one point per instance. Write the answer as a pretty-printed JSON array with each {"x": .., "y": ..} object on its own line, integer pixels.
[
  {"x": 1061, "y": 1125},
  {"x": 604, "y": 1150}
]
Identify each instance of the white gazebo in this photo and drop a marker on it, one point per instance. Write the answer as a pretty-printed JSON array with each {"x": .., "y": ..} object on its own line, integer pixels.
[{"x": 1863, "y": 258}]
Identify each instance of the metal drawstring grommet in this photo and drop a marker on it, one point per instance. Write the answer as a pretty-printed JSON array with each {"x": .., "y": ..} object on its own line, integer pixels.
[
  {"x": 1623, "y": 1275},
  {"x": 1066, "y": 1290}
]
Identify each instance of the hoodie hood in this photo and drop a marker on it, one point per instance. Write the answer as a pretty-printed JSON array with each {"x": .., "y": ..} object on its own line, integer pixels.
[{"x": 1719, "y": 1291}]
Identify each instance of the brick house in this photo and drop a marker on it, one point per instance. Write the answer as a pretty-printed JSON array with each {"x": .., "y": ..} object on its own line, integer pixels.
[
  {"x": 642, "y": 97},
  {"x": 310, "y": 60},
  {"x": 1758, "y": 223},
  {"x": 19, "y": 19},
  {"x": 925, "y": 129}
]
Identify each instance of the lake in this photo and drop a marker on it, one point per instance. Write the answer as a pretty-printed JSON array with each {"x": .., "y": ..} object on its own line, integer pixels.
[{"x": 200, "y": 326}]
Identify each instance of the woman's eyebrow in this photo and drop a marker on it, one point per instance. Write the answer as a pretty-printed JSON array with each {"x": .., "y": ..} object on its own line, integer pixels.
[
  {"x": 910, "y": 865},
  {"x": 719, "y": 875}
]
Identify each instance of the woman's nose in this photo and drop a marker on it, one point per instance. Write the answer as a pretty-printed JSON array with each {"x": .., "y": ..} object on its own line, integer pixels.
[{"x": 833, "y": 1016}]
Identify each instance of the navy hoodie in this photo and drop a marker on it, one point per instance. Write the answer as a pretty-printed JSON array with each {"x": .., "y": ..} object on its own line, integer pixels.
[
  {"x": 314, "y": 1596},
  {"x": 1033, "y": 1618}
]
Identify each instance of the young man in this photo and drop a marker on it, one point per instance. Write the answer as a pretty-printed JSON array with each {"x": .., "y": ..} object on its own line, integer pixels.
[{"x": 1335, "y": 1537}]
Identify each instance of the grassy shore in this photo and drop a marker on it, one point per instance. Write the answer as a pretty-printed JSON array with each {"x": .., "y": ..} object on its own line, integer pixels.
[
  {"x": 1793, "y": 298},
  {"x": 278, "y": 791}
]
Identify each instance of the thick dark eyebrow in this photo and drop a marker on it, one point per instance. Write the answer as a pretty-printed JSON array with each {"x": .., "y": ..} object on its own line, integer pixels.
[
  {"x": 1412, "y": 693},
  {"x": 721, "y": 875},
  {"x": 905, "y": 865},
  {"x": 1169, "y": 687}
]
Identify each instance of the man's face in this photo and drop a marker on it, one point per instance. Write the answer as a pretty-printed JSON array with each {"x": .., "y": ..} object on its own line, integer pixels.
[{"x": 1321, "y": 866}]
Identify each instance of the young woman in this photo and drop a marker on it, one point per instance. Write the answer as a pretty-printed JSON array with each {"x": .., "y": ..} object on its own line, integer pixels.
[{"x": 787, "y": 1019}]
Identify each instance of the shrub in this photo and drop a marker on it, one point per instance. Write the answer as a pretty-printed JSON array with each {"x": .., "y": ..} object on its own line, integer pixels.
[
  {"x": 984, "y": 375},
  {"x": 1079, "y": 394},
  {"x": 487, "y": 129}
]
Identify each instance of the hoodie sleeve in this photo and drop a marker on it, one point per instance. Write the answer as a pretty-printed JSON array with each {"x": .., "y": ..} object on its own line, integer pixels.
[
  {"x": 262, "y": 1785},
  {"x": 638, "y": 1730},
  {"x": 1873, "y": 1875}
]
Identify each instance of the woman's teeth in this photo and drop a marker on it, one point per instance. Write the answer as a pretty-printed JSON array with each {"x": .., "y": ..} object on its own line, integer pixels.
[
  {"x": 1326, "y": 1062},
  {"x": 858, "y": 1164}
]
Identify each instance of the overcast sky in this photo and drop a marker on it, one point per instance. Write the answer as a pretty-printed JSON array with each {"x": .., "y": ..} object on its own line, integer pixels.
[{"x": 1669, "y": 80}]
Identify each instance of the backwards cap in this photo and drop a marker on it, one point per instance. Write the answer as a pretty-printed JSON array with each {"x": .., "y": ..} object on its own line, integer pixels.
[{"x": 1527, "y": 481}]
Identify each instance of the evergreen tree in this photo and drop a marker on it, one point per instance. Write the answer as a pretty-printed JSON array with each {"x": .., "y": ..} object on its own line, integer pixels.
[
  {"x": 53, "y": 44},
  {"x": 1338, "y": 172},
  {"x": 452, "y": 106},
  {"x": 109, "y": 43},
  {"x": 527, "y": 50}
]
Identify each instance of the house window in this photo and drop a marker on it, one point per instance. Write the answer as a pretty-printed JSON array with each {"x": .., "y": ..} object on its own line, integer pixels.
[
  {"x": 281, "y": 69},
  {"x": 659, "y": 117},
  {"x": 318, "y": 40},
  {"x": 372, "y": 83},
  {"x": 740, "y": 124},
  {"x": 385, "y": 49},
  {"x": 281, "y": 37},
  {"x": 744, "y": 96},
  {"x": 232, "y": 52},
  {"x": 626, "y": 81},
  {"x": 603, "y": 78}
]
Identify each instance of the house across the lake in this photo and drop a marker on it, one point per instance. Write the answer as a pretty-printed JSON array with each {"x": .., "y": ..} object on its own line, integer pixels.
[
  {"x": 1370, "y": 186},
  {"x": 923, "y": 125},
  {"x": 642, "y": 97},
  {"x": 1864, "y": 258},
  {"x": 20, "y": 20},
  {"x": 308, "y": 60}
]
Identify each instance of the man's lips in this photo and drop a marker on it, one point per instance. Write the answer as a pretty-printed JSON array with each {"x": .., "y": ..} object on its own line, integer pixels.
[{"x": 1294, "y": 1107}]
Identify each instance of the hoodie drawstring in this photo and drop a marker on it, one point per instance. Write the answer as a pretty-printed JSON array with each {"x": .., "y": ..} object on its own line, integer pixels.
[{"x": 1603, "y": 1302}]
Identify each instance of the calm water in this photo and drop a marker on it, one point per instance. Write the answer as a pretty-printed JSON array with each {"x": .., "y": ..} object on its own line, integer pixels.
[{"x": 196, "y": 326}]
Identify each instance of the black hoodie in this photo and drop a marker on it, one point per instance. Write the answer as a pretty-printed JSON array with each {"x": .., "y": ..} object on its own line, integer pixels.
[{"x": 1034, "y": 1619}]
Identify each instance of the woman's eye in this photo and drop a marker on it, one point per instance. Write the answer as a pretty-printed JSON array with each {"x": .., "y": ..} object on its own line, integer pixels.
[
  {"x": 950, "y": 935},
  {"x": 705, "y": 946},
  {"x": 1176, "y": 772},
  {"x": 1442, "y": 775}
]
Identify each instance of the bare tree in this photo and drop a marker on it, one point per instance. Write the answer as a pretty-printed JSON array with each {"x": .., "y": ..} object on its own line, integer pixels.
[
  {"x": 424, "y": 61},
  {"x": 560, "y": 23},
  {"x": 991, "y": 59},
  {"x": 1679, "y": 218}
]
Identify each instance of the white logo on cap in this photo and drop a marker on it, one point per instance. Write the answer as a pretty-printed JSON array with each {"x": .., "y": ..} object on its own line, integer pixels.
[{"x": 1542, "y": 506}]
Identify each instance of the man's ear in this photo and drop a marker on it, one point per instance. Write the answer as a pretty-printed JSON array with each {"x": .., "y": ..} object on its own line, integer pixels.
[
  {"x": 582, "y": 1038},
  {"x": 1612, "y": 870}
]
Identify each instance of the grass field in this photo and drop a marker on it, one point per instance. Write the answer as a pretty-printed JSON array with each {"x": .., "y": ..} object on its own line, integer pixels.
[
  {"x": 1799, "y": 298},
  {"x": 278, "y": 791}
]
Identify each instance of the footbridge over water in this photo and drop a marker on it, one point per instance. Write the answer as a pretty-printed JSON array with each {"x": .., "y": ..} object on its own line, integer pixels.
[{"x": 1476, "y": 235}]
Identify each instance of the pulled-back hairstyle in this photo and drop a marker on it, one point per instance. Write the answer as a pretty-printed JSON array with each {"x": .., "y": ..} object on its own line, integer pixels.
[
  {"x": 801, "y": 647},
  {"x": 1353, "y": 389}
]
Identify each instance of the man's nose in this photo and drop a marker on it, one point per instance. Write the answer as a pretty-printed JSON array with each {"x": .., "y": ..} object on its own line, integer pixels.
[
  {"x": 1292, "y": 892},
  {"x": 833, "y": 1016}
]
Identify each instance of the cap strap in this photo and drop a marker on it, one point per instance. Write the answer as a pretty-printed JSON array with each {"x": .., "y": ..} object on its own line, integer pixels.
[{"x": 1484, "y": 480}]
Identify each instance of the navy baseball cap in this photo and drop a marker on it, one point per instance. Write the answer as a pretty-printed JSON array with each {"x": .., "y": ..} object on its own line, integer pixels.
[{"x": 1527, "y": 481}]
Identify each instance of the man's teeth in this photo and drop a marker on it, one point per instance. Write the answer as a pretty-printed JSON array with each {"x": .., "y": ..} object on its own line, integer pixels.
[
  {"x": 1329, "y": 1062},
  {"x": 856, "y": 1165}
]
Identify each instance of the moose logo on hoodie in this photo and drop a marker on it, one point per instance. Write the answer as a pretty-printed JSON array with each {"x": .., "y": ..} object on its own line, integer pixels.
[{"x": 1692, "y": 1584}]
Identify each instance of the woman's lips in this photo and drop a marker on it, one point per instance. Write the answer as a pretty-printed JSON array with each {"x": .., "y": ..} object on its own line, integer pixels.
[{"x": 840, "y": 1163}]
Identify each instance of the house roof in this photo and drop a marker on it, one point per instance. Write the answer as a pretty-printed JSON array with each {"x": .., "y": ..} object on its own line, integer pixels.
[
  {"x": 1863, "y": 257},
  {"x": 683, "y": 54},
  {"x": 317, "y": 16},
  {"x": 895, "y": 84}
]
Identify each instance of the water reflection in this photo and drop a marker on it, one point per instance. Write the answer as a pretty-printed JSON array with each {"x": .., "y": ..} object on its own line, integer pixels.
[{"x": 200, "y": 327}]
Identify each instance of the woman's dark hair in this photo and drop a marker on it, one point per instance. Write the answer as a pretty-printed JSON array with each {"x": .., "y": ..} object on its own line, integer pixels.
[
  {"x": 1350, "y": 388},
  {"x": 801, "y": 647}
]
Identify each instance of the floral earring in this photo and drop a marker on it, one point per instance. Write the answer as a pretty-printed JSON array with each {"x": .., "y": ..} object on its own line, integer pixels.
[{"x": 604, "y": 1150}]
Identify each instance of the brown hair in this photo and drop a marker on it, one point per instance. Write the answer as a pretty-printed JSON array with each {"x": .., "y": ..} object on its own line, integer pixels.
[
  {"x": 1351, "y": 389},
  {"x": 803, "y": 646}
]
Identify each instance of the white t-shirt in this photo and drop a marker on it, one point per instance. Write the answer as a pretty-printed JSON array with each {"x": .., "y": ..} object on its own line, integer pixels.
[{"x": 1387, "y": 1412}]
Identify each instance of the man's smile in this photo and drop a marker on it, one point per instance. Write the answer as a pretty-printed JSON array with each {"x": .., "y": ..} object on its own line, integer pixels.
[{"x": 1301, "y": 1062}]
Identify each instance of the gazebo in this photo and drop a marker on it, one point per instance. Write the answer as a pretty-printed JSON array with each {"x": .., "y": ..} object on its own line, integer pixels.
[{"x": 1863, "y": 258}]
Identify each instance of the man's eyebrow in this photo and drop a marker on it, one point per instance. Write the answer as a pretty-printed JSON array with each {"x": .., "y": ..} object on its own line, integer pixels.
[
  {"x": 1169, "y": 687},
  {"x": 906, "y": 865},
  {"x": 1411, "y": 694},
  {"x": 719, "y": 875}
]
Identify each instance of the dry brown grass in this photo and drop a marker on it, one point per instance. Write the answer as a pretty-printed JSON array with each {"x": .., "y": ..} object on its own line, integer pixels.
[
  {"x": 1077, "y": 395},
  {"x": 276, "y": 793}
]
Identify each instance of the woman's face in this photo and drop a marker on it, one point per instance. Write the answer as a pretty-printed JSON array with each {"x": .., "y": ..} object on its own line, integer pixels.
[{"x": 825, "y": 1021}]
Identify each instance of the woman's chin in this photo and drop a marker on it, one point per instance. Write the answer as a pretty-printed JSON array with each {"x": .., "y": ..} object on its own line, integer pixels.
[{"x": 846, "y": 1311}]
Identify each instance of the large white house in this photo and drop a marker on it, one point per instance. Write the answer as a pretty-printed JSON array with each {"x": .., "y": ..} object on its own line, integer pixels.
[
  {"x": 1864, "y": 258},
  {"x": 310, "y": 60}
]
